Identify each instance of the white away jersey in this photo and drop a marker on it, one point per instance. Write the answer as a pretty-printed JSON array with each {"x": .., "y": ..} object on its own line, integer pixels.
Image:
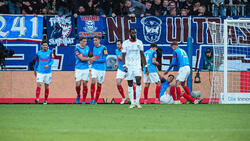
[{"x": 132, "y": 50}]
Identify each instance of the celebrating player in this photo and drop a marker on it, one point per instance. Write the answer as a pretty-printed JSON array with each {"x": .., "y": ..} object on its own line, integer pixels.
[
  {"x": 82, "y": 68},
  {"x": 132, "y": 54},
  {"x": 152, "y": 77},
  {"x": 100, "y": 54},
  {"x": 180, "y": 58},
  {"x": 44, "y": 60}
]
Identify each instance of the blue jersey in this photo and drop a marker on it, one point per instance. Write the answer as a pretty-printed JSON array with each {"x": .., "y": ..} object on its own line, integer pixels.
[
  {"x": 180, "y": 58},
  {"x": 101, "y": 54},
  {"x": 43, "y": 59},
  {"x": 149, "y": 55},
  {"x": 164, "y": 86},
  {"x": 82, "y": 65},
  {"x": 118, "y": 53}
]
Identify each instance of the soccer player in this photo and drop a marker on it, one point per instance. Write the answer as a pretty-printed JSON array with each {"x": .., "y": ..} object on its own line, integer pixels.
[
  {"x": 100, "y": 54},
  {"x": 132, "y": 54},
  {"x": 82, "y": 68},
  {"x": 167, "y": 94},
  {"x": 42, "y": 70},
  {"x": 152, "y": 77},
  {"x": 180, "y": 58}
]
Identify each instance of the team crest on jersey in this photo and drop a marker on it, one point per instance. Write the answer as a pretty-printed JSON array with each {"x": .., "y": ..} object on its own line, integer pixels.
[
  {"x": 151, "y": 28},
  {"x": 90, "y": 26}
]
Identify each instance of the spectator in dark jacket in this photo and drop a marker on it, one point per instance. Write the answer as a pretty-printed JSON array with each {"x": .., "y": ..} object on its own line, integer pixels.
[{"x": 135, "y": 8}]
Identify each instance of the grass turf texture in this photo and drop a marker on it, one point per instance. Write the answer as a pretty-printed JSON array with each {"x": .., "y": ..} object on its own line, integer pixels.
[{"x": 105, "y": 122}]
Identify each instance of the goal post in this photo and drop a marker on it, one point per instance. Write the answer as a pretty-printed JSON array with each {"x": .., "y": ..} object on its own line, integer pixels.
[{"x": 231, "y": 66}]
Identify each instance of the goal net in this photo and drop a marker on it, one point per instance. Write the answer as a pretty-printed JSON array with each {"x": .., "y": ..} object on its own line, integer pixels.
[{"x": 231, "y": 64}]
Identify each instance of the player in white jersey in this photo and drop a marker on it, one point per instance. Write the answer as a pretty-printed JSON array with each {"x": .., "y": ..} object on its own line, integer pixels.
[{"x": 132, "y": 55}]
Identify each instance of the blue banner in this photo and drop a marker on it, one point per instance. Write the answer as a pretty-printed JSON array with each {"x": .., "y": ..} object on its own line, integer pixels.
[
  {"x": 89, "y": 26},
  {"x": 25, "y": 28},
  {"x": 60, "y": 30}
]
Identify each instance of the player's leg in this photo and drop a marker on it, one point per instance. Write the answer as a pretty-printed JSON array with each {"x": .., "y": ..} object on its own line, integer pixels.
[
  {"x": 38, "y": 91},
  {"x": 119, "y": 77},
  {"x": 147, "y": 85},
  {"x": 178, "y": 92},
  {"x": 46, "y": 95},
  {"x": 131, "y": 93},
  {"x": 84, "y": 91},
  {"x": 172, "y": 92},
  {"x": 157, "y": 92},
  {"x": 100, "y": 80},
  {"x": 78, "y": 85},
  {"x": 138, "y": 90},
  {"x": 182, "y": 76},
  {"x": 92, "y": 87}
]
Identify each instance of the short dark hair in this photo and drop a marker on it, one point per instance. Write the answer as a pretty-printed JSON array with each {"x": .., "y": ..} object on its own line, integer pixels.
[
  {"x": 132, "y": 28},
  {"x": 44, "y": 41},
  {"x": 174, "y": 43},
  {"x": 98, "y": 37},
  {"x": 119, "y": 41},
  {"x": 153, "y": 45},
  {"x": 171, "y": 75},
  {"x": 81, "y": 38}
]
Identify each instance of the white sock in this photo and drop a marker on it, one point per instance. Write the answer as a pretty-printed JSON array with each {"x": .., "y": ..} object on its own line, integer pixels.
[
  {"x": 131, "y": 94},
  {"x": 138, "y": 93}
]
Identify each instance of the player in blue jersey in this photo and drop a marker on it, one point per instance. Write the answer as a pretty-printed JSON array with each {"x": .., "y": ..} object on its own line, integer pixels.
[
  {"x": 42, "y": 70},
  {"x": 82, "y": 68},
  {"x": 180, "y": 58},
  {"x": 152, "y": 77},
  {"x": 98, "y": 70}
]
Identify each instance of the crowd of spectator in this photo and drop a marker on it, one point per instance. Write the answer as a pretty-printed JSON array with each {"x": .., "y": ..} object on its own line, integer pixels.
[{"x": 128, "y": 7}]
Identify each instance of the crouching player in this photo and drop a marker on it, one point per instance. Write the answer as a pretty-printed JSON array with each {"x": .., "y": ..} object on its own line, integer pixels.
[
  {"x": 44, "y": 61},
  {"x": 167, "y": 94}
]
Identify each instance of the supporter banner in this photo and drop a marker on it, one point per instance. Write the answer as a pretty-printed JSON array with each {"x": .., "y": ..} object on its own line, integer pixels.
[
  {"x": 60, "y": 30},
  {"x": 89, "y": 26},
  {"x": 25, "y": 28}
]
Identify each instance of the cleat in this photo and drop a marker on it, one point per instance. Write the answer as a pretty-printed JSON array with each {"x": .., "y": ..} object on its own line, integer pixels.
[
  {"x": 37, "y": 101},
  {"x": 123, "y": 100},
  {"x": 45, "y": 102},
  {"x": 77, "y": 100},
  {"x": 188, "y": 102},
  {"x": 177, "y": 102},
  {"x": 95, "y": 102},
  {"x": 138, "y": 105},
  {"x": 92, "y": 101},
  {"x": 198, "y": 101},
  {"x": 146, "y": 102},
  {"x": 132, "y": 106},
  {"x": 157, "y": 101},
  {"x": 83, "y": 102}
]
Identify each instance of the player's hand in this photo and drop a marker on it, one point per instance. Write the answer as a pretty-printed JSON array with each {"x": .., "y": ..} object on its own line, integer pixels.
[
  {"x": 35, "y": 73},
  {"x": 115, "y": 66},
  {"x": 165, "y": 73},
  {"x": 147, "y": 71},
  {"x": 46, "y": 66},
  {"x": 125, "y": 68}
]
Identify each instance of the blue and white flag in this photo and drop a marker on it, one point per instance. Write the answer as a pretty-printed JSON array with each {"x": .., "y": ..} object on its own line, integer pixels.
[
  {"x": 89, "y": 26},
  {"x": 60, "y": 30},
  {"x": 24, "y": 28}
]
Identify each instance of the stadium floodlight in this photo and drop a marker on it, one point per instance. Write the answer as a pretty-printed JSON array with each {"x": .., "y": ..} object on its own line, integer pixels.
[{"x": 231, "y": 70}]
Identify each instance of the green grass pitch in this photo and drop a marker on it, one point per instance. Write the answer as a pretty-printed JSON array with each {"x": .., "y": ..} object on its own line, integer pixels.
[{"x": 113, "y": 122}]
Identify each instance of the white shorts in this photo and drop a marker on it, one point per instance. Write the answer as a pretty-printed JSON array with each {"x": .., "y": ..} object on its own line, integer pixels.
[
  {"x": 120, "y": 74},
  {"x": 151, "y": 78},
  {"x": 132, "y": 73},
  {"x": 167, "y": 99},
  {"x": 183, "y": 73},
  {"x": 43, "y": 78},
  {"x": 99, "y": 75},
  {"x": 81, "y": 75}
]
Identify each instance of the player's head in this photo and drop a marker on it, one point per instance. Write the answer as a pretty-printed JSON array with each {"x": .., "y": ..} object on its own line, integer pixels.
[
  {"x": 174, "y": 45},
  {"x": 97, "y": 40},
  {"x": 153, "y": 46},
  {"x": 132, "y": 33},
  {"x": 127, "y": 3},
  {"x": 119, "y": 44},
  {"x": 209, "y": 52},
  {"x": 44, "y": 45},
  {"x": 83, "y": 41},
  {"x": 170, "y": 78}
]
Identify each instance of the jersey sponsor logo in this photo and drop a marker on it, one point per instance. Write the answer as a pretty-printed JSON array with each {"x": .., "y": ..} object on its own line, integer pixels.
[{"x": 151, "y": 28}]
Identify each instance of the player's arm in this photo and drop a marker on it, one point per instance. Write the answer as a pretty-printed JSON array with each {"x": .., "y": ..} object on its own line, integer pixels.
[
  {"x": 144, "y": 61},
  {"x": 36, "y": 64},
  {"x": 124, "y": 50},
  {"x": 154, "y": 59},
  {"x": 79, "y": 55},
  {"x": 172, "y": 63}
]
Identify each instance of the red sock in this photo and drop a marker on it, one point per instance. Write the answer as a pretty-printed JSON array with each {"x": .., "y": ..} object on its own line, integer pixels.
[
  {"x": 172, "y": 92},
  {"x": 78, "y": 90},
  {"x": 134, "y": 92},
  {"x": 178, "y": 89},
  {"x": 157, "y": 91},
  {"x": 186, "y": 89},
  {"x": 84, "y": 93},
  {"x": 46, "y": 94},
  {"x": 145, "y": 93},
  {"x": 98, "y": 92},
  {"x": 38, "y": 90},
  {"x": 120, "y": 89},
  {"x": 92, "y": 91},
  {"x": 188, "y": 97}
]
